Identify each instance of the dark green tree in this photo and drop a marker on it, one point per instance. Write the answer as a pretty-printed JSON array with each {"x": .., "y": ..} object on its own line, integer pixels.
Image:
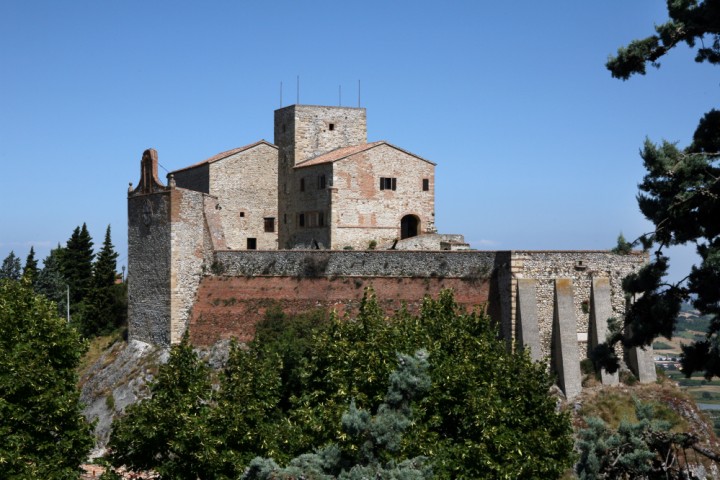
[
  {"x": 379, "y": 437},
  {"x": 644, "y": 449},
  {"x": 11, "y": 267},
  {"x": 77, "y": 266},
  {"x": 50, "y": 281},
  {"x": 680, "y": 195},
  {"x": 103, "y": 305},
  {"x": 43, "y": 433},
  {"x": 690, "y": 21},
  {"x": 31, "y": 267},
  {"x": 168, "y": 432}
]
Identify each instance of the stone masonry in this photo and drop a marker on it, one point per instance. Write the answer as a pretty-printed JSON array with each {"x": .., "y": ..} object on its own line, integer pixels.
[{"x": 203, "y": 251}]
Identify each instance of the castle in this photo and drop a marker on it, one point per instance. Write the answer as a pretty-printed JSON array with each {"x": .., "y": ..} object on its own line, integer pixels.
[{"x": 309, "y": 220}]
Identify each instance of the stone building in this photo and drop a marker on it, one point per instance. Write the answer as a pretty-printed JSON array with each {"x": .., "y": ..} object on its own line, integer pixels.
[
  {"x": 203, "y": 251},
  {"x": 244, "y": 180},
  {"x": 337, "y": 191}
]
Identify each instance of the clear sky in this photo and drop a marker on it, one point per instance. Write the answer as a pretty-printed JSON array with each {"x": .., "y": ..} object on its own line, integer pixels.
[{"x": 536, "y": 145}]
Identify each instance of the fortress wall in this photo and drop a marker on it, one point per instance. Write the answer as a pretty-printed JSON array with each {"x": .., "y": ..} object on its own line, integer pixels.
[
  {"x": 231, "y": 306},
  {"x": 580, "y": 267},
  {"x": 366, "y": 263},
  {"x": 191, "y": 248},
  {"x": 149, "y": 268}
]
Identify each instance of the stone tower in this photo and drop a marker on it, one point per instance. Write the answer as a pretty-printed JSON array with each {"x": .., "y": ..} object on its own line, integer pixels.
[{"x": 303, "y": 132}]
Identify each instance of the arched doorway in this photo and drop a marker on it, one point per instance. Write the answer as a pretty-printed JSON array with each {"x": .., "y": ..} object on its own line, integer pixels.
[{"x": 409, "y": 226}]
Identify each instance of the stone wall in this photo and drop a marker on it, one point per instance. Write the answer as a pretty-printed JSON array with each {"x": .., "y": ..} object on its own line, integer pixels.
[
  {"x": 191, "y": 251},
  {"x": 370, "y": 263},
  {"x": 363, "y": 212},
  {"x": 149, "y": 268},
  {"x": 580, "y": 267}
]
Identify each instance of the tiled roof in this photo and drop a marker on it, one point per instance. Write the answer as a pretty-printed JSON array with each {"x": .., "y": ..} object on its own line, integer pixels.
[
  {"x": 344, "y": 152},
  {"x": 226, "y": 154}
]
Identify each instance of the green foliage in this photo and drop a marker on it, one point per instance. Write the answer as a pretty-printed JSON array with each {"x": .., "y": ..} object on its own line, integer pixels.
[
  {"x": 31, "y": 267},
  {"x": 690, "y": 21},
  {"x": 104, "y": 305},
  {"x": 11, "y": 267},
  {"x": 169, "y": 432},
  {"x": 680, "y": 195},
  {"x": 487, "y": 413},
  {"x": 378, "y": 437},
  {"x": 77, "y": 265},
  {"x": 643, "y": 449},
  {"x": 42, "y": 431},
  {"x": 623, "y": 247},
  {"x": 50, "y": 281}
]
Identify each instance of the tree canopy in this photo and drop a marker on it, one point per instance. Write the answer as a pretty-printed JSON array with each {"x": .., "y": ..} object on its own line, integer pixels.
[
  {"x": 42, "y": 431},
  {"x": 486, "y": 414},
  {"x": 680, "y": 195}
]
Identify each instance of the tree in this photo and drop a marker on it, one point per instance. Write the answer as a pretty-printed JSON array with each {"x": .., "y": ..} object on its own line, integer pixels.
[
  {"x": 103, "y": 306},
  {"x": 11, "y": 267},
  {"x": 42, "y": 431},
  {"x": 169, "y": 432},
  {"x": 379, "y": 437},
  {"x": 645, "y": 449},
  {"x": 77, "y": 265},
  {"x": 31, "y": 267},
  {"x": 690, "y": 21},
  {"x": 50, "y": 281},
  {"x": 680, "y": 195}
]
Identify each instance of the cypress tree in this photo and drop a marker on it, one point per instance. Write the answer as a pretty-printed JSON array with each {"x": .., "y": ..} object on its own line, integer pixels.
[
  {"x": 102, "y": 310},
  {"x": 77, "y": 268},
  {"x": 31, "y": 267},
  {"x": 11, "y": 267},
  {"x": 50, "y": 281}
]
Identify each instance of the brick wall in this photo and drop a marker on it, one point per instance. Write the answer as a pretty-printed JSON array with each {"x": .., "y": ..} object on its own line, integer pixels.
[{"x": 231, "y": 306}]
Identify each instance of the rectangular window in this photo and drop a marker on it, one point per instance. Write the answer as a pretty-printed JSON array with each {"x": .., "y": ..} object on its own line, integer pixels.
[
  {"x": 388, "y": 183},
  {"x": 252, "y": 244},
  {"x": 302, "y": 184},
  {"x": 285, "y": 218},
  {"x": 426, "y": 184},
  {"x": 270, "y": 224},
  {"x": 301, "y": 220},
  {"x": 321, "y": 182}
]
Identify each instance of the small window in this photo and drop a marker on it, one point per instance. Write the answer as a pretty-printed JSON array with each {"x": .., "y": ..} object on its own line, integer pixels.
[
  {"x": 242, "y": 214},
  {"x": 285, "y": 218},
  {"x": 388, "y": 183},
  {"x": 321, "y": 219},
  {"x": 301, "y": 220},
  {"x": 321, "y": 182},
  {"x": 269, "y": 224},
  {"x": 332, "y": 127},
  {"x": 302, "y": 184},
  {"x": 252, "y": 244},
  {"x": 426, "y": 184},
  {"x": 283, "y": 128}
]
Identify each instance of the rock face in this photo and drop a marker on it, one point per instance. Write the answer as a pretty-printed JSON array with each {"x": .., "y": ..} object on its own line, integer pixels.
[{"x": 119, "y": 378}]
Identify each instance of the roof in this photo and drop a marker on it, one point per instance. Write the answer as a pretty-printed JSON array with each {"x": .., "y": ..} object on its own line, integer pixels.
[
  {"x": 344, "y": 152},
  {"x": 226, "y": 154}
]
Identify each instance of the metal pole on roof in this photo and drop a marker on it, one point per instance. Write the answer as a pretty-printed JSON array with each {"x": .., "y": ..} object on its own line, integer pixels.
[
  {"x": 339, "y": 95},
  {"x": 298, "y": 90},
  {"x": 358, "y": 93}
]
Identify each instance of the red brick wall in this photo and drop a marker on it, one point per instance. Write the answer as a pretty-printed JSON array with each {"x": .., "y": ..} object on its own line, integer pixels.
[{"x": 231, "y": 306}]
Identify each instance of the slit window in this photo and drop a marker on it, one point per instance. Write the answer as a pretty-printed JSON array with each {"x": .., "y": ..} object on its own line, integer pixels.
[
  {"x": 302, "y": 184},
  {"x": 301, "y": 220},
  {"x": 321, "y": 182},
  {"x": 388, "y": 183},
  {"x": 426, "y": 184}
]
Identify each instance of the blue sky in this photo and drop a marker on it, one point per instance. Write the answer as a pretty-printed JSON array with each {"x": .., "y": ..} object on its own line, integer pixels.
[{"x": 536, "y": 145}]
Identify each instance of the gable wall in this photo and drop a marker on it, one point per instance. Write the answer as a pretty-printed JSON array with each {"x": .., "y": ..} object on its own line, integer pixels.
[
  {"x": 362, "y": 212},
  {"x": 247, "y": 182}
]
